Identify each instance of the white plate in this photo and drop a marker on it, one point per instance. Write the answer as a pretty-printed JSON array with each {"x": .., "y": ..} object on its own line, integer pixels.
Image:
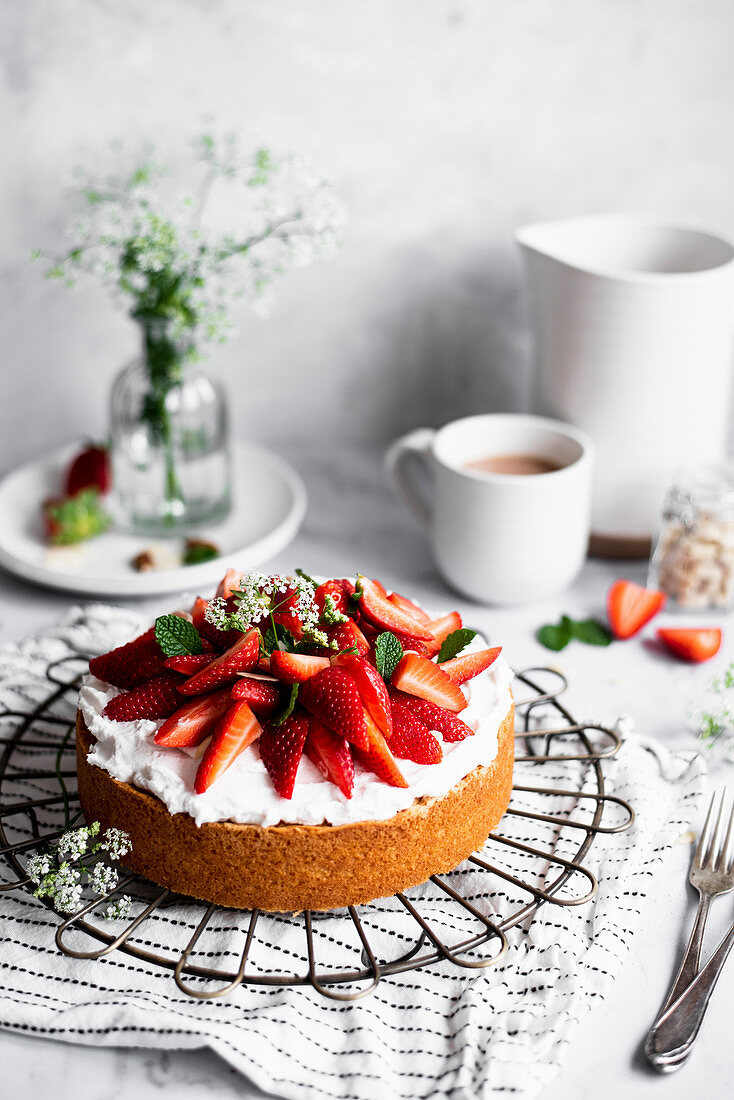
[{"x": 269, "y": 506}]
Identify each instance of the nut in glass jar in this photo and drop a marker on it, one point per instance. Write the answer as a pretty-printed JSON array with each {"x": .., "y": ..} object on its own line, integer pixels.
[{"x": 693, "y": 562}]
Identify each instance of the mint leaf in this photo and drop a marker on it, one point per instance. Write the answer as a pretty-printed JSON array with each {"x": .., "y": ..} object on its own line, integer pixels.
[
  {"x": 454, "y": 642},
  {"x": 176, "y": 636},
  {"x": 556, "y": 636},
  {"x": 388, "y": 652},
  {"x": 197, "y": 551},
  {"x": 288, "y": 711},
  {"x": 591, "y": 631}
]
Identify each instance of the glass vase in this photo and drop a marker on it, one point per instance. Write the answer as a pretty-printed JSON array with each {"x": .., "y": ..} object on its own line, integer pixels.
[{"x": 169, "y": 439}]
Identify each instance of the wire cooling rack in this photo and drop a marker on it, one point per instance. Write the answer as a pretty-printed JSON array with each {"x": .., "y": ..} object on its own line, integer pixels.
[{"x": 559, "y": 806}]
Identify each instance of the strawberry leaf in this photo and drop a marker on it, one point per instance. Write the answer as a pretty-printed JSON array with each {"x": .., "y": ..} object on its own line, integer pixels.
[
  {"x": 388, "y": 652},
  {"x": 454, "y": 642},
  {"x": 555, "y": 636},
  {"x": 176, "y": 636},
  {"x": 591, "y": 631}
]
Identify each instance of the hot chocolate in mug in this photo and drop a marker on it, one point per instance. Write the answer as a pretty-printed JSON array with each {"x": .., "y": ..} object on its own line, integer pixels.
[{"x": 499, "y": 537}]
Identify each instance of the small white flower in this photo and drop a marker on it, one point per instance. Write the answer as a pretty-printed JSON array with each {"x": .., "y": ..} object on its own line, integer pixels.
[
  {"x": 73, "y": 844},
  {"x": 103, "y": 879},
  {"x": 38, "y": 866},
  {"x": 116, "y": 843},
  {"x": 118, "y": 909}
]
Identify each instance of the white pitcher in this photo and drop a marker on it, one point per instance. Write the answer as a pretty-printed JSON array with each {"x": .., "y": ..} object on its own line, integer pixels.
[{"x": 634, "y": 322}]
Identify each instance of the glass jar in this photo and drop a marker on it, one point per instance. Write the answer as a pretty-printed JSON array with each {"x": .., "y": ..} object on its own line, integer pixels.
[
  {"x": 169, "y": 439},
  {"x": 693, "y": 561}
]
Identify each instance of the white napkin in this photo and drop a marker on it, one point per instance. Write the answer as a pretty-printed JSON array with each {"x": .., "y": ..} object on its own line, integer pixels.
[{"x": 431, "y": 1032}]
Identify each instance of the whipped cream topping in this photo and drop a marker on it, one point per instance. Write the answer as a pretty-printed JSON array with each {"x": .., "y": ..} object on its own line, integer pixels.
[{"x": 245, "y": 794}]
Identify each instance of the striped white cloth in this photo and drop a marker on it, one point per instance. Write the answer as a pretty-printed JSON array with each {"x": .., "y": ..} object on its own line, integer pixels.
[{"x": 434, "y": 1032}]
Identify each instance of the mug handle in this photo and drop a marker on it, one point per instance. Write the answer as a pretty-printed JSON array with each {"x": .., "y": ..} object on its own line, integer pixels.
[{"x": 414, "y": 445}]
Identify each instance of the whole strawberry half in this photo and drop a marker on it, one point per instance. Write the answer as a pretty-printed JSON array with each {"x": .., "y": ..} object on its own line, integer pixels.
[
  {"x": 377, "y": 756},
  {"x": 294, "y": 668},
  {"x": 130, "y": 664},
  {"x": 241, "y": 657},
  {"x": 90, "y": 469},
  {"x": 333, "y": 697},
  {"x": 449, "y": 725},
  {"x": 630, "y": 606},
  {"x": 376, "y": 606},
  {"x": 331, "y": 755},
  {"x": 461, "y": 669},
  {"x": 348, "y": 636},
  {"x": 419, "y": 676},
  {"x": 281, "y": 748},
  {"x": 189, "y": 663},
  {"x": 410, "y": 738},
  {"x": 194, "y": 721},
  {"x": 235, "y": 730},
  {"x": 371, "y": 688},
  {"x": 155, "y": 699}
]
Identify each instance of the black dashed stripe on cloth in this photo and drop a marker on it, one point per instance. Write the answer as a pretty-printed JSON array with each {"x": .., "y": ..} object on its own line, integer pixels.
[{"x": 429, "y": 1033}]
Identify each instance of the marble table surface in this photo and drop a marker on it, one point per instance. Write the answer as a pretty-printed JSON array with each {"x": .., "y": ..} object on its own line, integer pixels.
[{"x": 353, "y": 524}]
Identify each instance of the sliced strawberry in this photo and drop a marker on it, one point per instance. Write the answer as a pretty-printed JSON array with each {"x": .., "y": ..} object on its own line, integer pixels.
[
  {"x": 692, "y": 643},
  {"x": 155, "y": 699},
  {"x": 460, "y": 669},
  {"x": 371, "y": 687},
  {"x": 417, "y": 675},
  {"x": 188, "y": 663},
  {"x": 331, "y": 755},
  {"x": 447, "y": 624},
  {"x": 294, "y": 668},
  {"x": 281, "y": 748},
  {"x": 194, "y": 721},
  {"x": 333, "y": 697},
  {"x": 409, "y": 607},
  {"x": 376, "y": 756},
  {"x": 230, "y": 582},
  {"x": 630, "y": 606},
  {"x": 411, "y": 739},
  {"x": 348, "y": 636},
  {"x": 131, "y": 664},
  {"x": 220, "y": 639},
  {"x": 287, "y": 612},
  {"x": 242, "y": 656},
  {"x": 377, "y": 607},
  {"x": 263, "y": 697},
  {"x": 236, "y": 729},
  {"x": 449, "y": 725},
  {"x": 89, "y": 470}
]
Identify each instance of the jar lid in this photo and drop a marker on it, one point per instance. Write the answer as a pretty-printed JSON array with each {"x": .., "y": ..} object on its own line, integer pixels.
[{"x": 707, "y": 488}]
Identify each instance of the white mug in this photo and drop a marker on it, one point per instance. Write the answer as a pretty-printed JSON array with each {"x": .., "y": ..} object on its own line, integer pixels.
[{"x": 497, "y": 537}]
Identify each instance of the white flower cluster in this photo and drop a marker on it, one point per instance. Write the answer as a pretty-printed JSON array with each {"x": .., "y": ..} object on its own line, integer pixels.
[
  {"x": 189, "y": 259},
  {"x": 260, "y": 595},
  {"x": 56, "y": 876}
]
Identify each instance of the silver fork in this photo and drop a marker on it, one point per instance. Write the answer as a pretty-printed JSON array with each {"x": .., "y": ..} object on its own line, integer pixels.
[{"x": 712, "y": 873}]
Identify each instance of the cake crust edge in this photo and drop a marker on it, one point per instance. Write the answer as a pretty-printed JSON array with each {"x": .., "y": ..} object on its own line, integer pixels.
[{"x": 288, "y": 868}]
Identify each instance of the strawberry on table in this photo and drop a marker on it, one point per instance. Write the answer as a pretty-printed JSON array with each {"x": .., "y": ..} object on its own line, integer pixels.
[
  {"x": 263, "y": 696},
  {"x": 630, "y": 606},
  {"x": 241, "y": 657},
  {"x": 695, "y": 644},
  {"x": 236, "y": 729},
  {"x": 90, "y": 469},
  {"x": 71, "y": 519},
  {"x": 371, "y": 687},
  {"x": 377, "y": 607},
  {"x": 333, "y": 697},
  {"x": 331, "y": 755},
  {"x": 294, "y": 668},
  {"x": 460, "y": 669},
  {"x": 155, "y": 699},
  {"x": 193, "y": 722},
  {"x": 281, "y": 748},
  {"x": 131, "y": 664},
  {"x": 410, "y": 738},
  {"x": 419, "y": 676},
  {"x": 449, "y": 725}
]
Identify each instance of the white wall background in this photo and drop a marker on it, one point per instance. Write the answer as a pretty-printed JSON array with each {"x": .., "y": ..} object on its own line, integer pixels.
[{"x": 446, "y": 124}]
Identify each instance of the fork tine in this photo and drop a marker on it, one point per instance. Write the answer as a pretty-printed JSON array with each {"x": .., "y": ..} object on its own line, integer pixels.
[
  {"x": 714, "y": 848},
  {"x": 698, "y": 859},
  {"x": 725, "y": 858}
]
